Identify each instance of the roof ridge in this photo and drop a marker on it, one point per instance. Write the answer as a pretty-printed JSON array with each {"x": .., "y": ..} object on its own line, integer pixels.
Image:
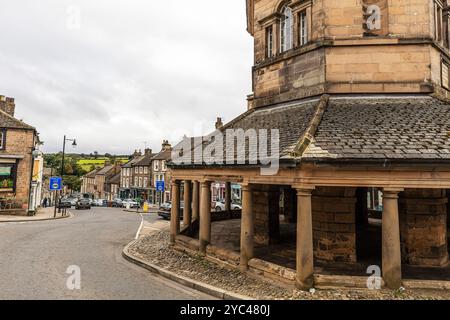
[
  {"x": 17, "y": 120},
  {"x": 310, "y": 132}
]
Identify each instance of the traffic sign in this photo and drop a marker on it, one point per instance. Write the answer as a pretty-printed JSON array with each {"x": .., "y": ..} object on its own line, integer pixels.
[
  {"x": 160, "y": 186},
  {"x": 55, "y": 183}
]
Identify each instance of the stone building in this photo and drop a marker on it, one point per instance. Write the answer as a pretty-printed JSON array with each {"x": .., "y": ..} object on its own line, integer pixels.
[
  {"x": 112, "y": 186},
  {"x": 350, "y": 100},
  {"x": 161, "y": 173},
  {"x": 18, "y": 140},
  {"x": 141, "y": 186},
  {"x": 88, "y": 183},
  {"x": 127, "y": 176},
  {"x": 101, "y": 177}
]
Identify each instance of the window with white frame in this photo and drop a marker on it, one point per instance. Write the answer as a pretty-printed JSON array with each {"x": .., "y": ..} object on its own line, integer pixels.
[
  {"x": 286, "y": 29},
  {"x": 128, "y": 183},
  {"x": 141, "y": 170},
  {"x": 156, "y": 165},
  {"x": 145, "y": 182},
  {"x": 303, "y": 28},
  {"x": 136, "y": 181},
  {"x": 136, "y": 170},
  {"x": 163, "y": 165},
  {"x": 140, "y": 182},
  {"x": 145, "y": 170}
]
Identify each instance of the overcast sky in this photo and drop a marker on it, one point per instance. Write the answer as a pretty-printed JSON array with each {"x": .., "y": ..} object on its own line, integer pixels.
[{"x": 124, "y": 72}]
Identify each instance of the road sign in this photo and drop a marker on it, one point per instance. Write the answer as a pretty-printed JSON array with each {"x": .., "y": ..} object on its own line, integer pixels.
[
  {"x": 55, "y": 183},
  {"x": 160, "y": 186}
]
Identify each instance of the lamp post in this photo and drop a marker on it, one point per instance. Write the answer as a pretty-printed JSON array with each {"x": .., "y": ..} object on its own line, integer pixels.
[{"x": 74, "y": 144}]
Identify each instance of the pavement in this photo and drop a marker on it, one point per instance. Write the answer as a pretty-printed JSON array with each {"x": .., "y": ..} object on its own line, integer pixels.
[
  {"x": 42, "y": 214},
  {"x": 35, "y": 258}
]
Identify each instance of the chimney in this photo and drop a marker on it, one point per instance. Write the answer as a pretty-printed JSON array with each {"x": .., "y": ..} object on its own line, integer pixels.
[
  {"x": 148, "y": 151},
  {"x": 7, "y": 105},
  {"x": 166, "y": 145},
  {"x": 219, "y": 123}
]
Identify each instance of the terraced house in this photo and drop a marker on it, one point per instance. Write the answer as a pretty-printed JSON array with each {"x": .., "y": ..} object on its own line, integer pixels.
[
  {"x": 18, "y": 140},
  {"x": 355, "y": 94}
]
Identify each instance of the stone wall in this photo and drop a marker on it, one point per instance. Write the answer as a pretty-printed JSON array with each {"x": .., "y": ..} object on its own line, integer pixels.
[
  {"x": 293, "y": 78},
  {"x": 266, "y": 214},
  {"x": 423, "y": 223},
  {"x": 342, "y": 55},
  {"x": 334, "y": 230},
  {"x": 21, "y": 142}
]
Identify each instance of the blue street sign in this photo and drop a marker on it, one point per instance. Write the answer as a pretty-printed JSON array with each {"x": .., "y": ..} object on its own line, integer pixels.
[
  {"x": 160, "y": 186},
  {"x": 55, "y": 183}
]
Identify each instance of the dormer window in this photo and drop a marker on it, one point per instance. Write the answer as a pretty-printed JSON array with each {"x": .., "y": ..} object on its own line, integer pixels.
[{"x": 286, "y": 29}]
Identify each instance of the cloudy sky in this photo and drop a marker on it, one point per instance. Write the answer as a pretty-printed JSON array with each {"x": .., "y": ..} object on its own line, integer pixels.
[{"x": 118, "y": 73}]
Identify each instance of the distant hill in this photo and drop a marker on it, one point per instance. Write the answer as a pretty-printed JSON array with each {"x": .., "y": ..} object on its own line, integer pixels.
[{"x": 87, "y": 164}]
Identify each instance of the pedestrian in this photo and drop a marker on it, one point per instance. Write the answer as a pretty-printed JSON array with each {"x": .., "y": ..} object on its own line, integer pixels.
[{"x": 44, "y": 203}]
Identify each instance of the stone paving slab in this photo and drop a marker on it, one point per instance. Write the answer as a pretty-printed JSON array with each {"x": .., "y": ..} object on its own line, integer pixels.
[{"x": 42, "y": 214}]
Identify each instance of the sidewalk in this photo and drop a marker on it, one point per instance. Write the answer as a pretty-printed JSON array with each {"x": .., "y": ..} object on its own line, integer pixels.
[{"x": 42, "y": 215}]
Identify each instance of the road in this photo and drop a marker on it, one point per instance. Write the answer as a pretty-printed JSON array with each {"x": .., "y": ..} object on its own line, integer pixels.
[{"x": 35, "y": 256}]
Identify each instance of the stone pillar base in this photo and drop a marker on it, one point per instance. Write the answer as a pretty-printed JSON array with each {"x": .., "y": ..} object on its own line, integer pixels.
[
  {"x": 334, "y": 224},
  {"x": 423, "y": 221}
]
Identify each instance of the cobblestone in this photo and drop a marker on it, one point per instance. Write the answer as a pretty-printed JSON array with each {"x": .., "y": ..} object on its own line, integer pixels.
[{"x": 154, "y": 249}]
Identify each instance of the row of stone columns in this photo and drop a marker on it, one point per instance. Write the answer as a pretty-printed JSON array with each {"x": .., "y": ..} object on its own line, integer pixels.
[
  {"x": 391, "y": 257},
  {"x": 391, "y": 252},
  {"x": 197, "y": 206}
]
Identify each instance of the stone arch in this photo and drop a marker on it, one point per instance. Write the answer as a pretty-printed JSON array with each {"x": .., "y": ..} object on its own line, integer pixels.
[{"x": 280, "y": 5}]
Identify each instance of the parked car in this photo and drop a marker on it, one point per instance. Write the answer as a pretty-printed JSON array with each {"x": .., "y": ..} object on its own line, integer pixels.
[
  {"x": 220, "y": 206},
  {"x": 83, "y": 204},
  {"x": 65, "y": 203},
  {"x": 117, "y": 203},
  {"x": 166, "y": 208},
  {"x": 132, "y": 203}
]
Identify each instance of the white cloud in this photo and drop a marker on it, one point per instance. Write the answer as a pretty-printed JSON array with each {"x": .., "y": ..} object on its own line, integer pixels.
[{"x": 134, "y": 71}]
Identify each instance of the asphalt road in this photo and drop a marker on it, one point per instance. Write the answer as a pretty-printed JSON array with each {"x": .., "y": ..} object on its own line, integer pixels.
[{"x": 35, "y": 256}]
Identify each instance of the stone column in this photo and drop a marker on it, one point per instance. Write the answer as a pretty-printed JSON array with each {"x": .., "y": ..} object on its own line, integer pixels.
[
  {"x": 187, "y": 211},
  {"x": 391, "y": 260},
  {"x": 228, "y": 196},
  {"x": 305, "y": 252},
  {"x": 247, "y": 227},
  {"x": 175, "y": 213},
  {"x": 195, "y": 200},
  {"x": 205, "y": 216}
]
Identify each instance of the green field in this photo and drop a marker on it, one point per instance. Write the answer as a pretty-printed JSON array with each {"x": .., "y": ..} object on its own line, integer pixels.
[{"x": 87, "y": 164}]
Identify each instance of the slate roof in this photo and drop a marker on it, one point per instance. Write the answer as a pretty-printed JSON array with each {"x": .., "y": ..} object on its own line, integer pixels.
[
  {"x": 163, "y": 155},
  {"x": 407, "y": 128},
  {"x": 130, "y": 163},
  {"x": 145, "y": 161},
  {"x": 115, "y": 179},
  {"x": 105, "y": 170},
  {"x": 415, "y": 128},
  {"x": 7, "y": 121}
]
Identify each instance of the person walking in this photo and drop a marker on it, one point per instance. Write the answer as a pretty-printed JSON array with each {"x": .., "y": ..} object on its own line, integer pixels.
[{"x": 45, "y": 202}]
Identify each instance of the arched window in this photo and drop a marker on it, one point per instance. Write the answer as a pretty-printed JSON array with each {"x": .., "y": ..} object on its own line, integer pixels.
[{"x": 286, "y": 26}]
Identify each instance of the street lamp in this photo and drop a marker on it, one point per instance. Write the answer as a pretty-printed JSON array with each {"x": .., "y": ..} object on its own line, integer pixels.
[{"x": 74, "y": 144}]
